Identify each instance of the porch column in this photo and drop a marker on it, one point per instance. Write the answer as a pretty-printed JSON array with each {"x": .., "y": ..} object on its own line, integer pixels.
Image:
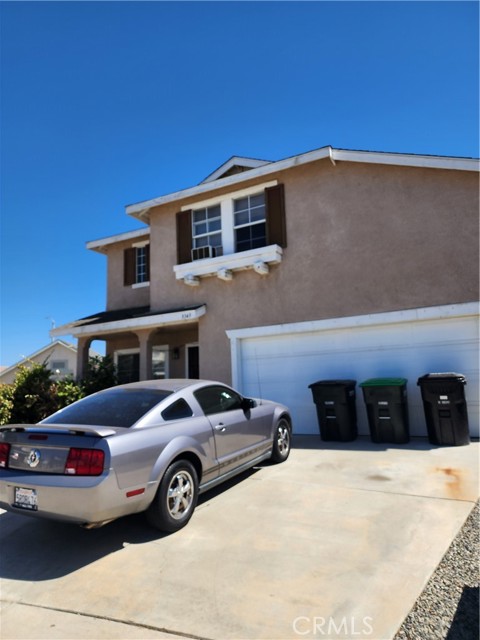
[
  {"x": 83, "y": 348},
  {"x": 145, "y": 343}
]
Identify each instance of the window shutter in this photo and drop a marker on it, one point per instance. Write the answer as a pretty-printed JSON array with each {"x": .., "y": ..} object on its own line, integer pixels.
[
  {"x": 184, "y": 237},
  {"x": 276, "y": 226},
  {"x": 129, "y": 266},
  {"x": 147, "y": 261}
]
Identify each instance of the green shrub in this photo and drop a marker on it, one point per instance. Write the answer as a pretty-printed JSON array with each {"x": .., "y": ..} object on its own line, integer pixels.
[
  {"x": 66, "y": 391},
  {"x": 6, "y": 402},
  {"x": 32, "y": 395},
  {"x": 100, "y": 374}
]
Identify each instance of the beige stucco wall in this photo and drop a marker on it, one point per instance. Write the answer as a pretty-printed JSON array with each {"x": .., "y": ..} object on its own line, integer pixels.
[
  {"x": 362, "y": 239},
  {"x": 118, "y": 295}
]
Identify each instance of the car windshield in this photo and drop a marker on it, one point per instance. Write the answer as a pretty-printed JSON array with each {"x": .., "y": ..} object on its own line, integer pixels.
[{"x": 112, "y": 408}]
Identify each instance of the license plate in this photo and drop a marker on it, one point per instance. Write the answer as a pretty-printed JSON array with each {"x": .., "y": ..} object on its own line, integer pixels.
[{"x": 26, "y": 499}]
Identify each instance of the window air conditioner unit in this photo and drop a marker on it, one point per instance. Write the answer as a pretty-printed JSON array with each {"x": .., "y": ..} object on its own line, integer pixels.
[{"x": 206, "y": 252}]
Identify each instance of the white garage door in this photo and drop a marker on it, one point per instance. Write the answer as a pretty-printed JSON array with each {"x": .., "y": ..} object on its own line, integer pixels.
[{"x": 279, "y": 362}]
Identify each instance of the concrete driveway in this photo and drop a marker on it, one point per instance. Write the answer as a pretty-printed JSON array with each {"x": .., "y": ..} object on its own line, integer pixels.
[{"x": 337, "y": 542}]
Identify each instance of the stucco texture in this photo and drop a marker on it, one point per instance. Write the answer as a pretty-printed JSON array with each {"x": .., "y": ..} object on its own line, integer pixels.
[{"x": 362, "y": 238}]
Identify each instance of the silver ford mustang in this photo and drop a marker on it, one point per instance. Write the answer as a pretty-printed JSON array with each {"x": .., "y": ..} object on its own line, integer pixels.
[{"x": 148, "y": 446}]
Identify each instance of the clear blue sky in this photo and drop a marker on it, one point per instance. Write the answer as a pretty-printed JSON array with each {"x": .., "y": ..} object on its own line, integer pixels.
[{"x": 109, "y": 103}]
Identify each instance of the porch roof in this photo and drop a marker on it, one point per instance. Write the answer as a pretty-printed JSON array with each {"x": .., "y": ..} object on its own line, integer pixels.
[{"x": 134, "y": 318}]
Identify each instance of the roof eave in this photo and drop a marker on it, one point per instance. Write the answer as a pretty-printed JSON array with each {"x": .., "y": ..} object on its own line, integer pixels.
[
  {"x": 140, "y": 211},
  {"x": 101, "y": 244},
  {"x": 83, "y": 328}
]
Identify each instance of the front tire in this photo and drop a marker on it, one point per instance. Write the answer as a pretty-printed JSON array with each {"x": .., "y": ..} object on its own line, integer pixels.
[
  {"x": 176, "y": 497},
  {"x": 282, "y": 441}
]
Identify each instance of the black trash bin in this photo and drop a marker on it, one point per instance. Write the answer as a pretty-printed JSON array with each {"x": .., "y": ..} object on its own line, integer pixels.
[
  {"x": 386, "y": 403},
  {"x": 336, "y": 410},
  {"x": 443, "y": 396}
]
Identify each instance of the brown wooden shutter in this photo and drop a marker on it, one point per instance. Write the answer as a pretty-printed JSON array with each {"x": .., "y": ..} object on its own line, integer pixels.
[
  {"x": 129, "y": 266},
  {"x": 147, "y": 261},
  {"x": 184, "y": 237},
  {"x": 276, "y": 225}
]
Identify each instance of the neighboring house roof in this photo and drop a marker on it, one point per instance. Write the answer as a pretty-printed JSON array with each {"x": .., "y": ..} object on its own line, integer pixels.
[
  {"x": 222, "y": 177},
  {"x": 127, "y": 319},
  {"x": 43, "y": 351}
]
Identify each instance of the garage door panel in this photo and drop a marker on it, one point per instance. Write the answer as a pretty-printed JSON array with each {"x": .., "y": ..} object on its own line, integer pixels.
[{"x": 281, "y": 366}]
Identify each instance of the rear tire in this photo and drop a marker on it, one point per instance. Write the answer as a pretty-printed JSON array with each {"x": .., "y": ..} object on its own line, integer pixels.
[
  {"x": 176, "y": 497},
  {"x": 282, "y": 441}
]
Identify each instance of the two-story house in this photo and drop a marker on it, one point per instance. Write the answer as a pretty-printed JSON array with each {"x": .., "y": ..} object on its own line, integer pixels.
[{"x": 272, "y": 275}]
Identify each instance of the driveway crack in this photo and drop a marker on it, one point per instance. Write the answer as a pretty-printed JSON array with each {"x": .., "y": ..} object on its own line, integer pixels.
[{"x": 130, "y": 623}]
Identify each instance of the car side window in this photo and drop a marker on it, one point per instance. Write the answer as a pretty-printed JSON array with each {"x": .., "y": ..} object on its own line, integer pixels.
[
  {"x": 178, "y": 410},
  {"x": 218, "y": 399}
]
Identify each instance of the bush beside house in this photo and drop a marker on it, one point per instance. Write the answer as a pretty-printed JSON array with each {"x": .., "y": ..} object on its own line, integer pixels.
[{"x": 34, "y": 394}]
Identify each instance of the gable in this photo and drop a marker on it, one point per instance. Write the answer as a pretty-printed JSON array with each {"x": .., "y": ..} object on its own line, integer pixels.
[{"x": 233, "y": 166}]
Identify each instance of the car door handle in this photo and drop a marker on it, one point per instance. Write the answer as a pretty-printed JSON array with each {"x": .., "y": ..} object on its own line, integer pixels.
[{"x": 220, "y": 427}]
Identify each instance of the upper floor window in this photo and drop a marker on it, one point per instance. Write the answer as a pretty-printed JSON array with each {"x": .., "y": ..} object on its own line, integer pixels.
[
  {"x": 137, "y": 265},
  {"x": 249, "y": 222},
  {"x": 250, "y": 218},
  {"x": 206, "y": 232},
  {"x": 141, "y": 264}
]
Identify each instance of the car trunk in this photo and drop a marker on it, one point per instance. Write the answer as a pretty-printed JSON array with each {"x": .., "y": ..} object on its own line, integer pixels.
[{"x": 55, "y": 449}]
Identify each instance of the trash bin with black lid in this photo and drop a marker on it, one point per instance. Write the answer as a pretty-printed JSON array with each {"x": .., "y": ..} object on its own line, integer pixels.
[
  {"x": 387, "y": 411},
  {"x": 336, "y": 410},
  {"x": 445, "y": 408}
]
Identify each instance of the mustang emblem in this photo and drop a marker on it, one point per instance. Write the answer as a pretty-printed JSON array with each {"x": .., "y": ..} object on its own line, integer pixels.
[{"x": 33, "y": 458}]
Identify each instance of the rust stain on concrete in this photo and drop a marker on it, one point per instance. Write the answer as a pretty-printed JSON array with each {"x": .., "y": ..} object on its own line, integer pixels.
[
  {"x": 378, "y": 476},
  {"x": 453, "y": 482}
]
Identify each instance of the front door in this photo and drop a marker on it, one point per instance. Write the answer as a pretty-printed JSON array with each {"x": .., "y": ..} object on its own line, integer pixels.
[{"x": 193, "y": 362}]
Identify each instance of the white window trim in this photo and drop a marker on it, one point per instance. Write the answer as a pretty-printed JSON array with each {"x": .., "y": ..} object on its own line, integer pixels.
[
  {"x": 139, "y": 245},
  {"x": 223, "y": 266},
  {"x": 226, "y": 207}
]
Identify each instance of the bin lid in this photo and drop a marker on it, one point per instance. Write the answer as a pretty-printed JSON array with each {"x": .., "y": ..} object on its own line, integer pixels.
[
  {"x": 335, "y": 383},
  {"x": 442, "y": 377},
  {"x": 384, "y": 382}
]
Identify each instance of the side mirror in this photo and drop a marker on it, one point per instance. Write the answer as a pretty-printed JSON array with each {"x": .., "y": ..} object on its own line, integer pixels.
[{"x": 248, "y": 403}]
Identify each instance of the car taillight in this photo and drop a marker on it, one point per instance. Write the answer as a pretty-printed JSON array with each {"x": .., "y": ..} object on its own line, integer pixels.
[
  {"x": 4, "y": 451},
  {"x": 84, "y": 462}
]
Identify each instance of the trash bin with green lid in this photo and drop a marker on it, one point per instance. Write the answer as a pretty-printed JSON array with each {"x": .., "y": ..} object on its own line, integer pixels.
[
  {"x": 445, "y": 408},
  {"x": 386, "y": 403},
  {"x": 336, "y": 410}
]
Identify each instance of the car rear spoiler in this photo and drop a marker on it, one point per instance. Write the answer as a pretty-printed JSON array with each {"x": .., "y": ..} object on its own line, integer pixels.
[{"x": 73, "y": 429}]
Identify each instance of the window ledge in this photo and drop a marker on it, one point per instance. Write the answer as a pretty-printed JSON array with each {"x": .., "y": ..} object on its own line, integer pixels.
[
  {"x": 224, "y": 266},
  {"x": 139, "y": 285}
]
